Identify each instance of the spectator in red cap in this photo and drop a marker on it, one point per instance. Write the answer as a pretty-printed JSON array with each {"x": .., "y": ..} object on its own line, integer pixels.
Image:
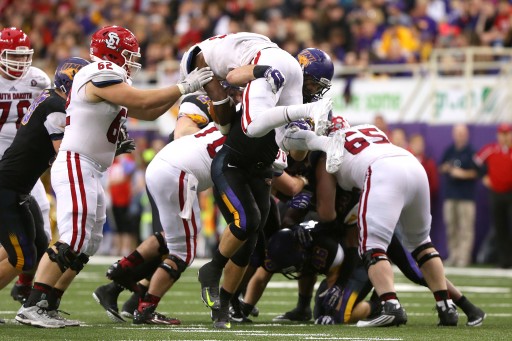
[{"x": 496, "y": 160}]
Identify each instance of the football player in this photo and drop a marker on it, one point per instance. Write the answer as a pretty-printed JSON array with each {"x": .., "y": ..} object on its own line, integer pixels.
[
  {"x": 242, "y": 170},
  {"x": 31, "y": 152},
  {"x": 375, "y": 166},
  {"x": 185, "y": 163},
  {"x": 99, "y": 102},
  {"x": 20, "y": 85}
]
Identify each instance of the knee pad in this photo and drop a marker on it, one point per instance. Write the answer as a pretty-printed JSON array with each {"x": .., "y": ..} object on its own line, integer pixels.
[
  {"x": 174, "y": 273},
  {"x": 373, "y": 256},
  {"x": 79, "y": 263},
  {"x": 64, "y": 256},
  {"x": 425, "y": 258},
  {"x": 162, "y": 245}
]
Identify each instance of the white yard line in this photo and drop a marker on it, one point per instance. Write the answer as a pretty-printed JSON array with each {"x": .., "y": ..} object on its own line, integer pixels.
[{"x": 471, "y": 272}]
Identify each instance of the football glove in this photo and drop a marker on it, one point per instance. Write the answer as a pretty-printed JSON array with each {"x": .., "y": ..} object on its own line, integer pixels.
[{"x": 195, "y": 80}]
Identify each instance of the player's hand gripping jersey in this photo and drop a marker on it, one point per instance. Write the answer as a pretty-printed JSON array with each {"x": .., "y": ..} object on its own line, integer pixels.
[
  {"x": 15, "y": 98},
  {"x": 93, "y": 128}
]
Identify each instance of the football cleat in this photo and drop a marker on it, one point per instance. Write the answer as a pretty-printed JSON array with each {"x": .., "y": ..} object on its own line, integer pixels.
[
  {"x": 105, "y": 296},
  {"x": 20, "y": 292},
  {"x": 392, "y": 314},
  {"x": 236, "y": 314},
  {"x": 130, "y": 305},
  {"x": 146, "y": 314},
  {"x": 55, "y": 314},
  {"x": 220, "y": 318},
  {"x": 37, "y": 316},
  {"x": 255, "y": 312},
  {"x": 295, "y": 315},
  {"x": 476, "y": 317},
  {"x": 209, "y": 277},
  {"x": 448, "y": 315}
]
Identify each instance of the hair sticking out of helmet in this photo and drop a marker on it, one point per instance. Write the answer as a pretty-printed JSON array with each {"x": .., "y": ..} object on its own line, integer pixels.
[
  {"x": 286, "y": 253},
  {"x": 15, "y": 52},
  {"x": 66, "y": 71},
  {"x": 118, "y": 45},
  {"x": 318, "y": 71}
]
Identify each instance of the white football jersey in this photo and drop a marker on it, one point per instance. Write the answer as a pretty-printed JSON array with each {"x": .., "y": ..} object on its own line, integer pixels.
[
  {"x": 226, "y": 52},
  {"x": 92, "y": 128},
  {"x": 16, "y": 95},
  {"x": 364, "y": 144},
  {"x": 194, "y": 153}
]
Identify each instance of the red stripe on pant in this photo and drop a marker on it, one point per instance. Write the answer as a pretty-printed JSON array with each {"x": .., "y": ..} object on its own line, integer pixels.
[
  {"x": 185, "y": 222},
  {"x": 362, "y": 212},
  {"x": 246, "y": 99},
  {"x": 74, "y": 199}
]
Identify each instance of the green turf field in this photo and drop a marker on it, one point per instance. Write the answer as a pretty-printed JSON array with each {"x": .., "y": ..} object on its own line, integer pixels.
[{"x": 490, "y": 289}]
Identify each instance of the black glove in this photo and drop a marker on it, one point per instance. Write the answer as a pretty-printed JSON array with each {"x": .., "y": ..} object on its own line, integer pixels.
[
  {"x": 125, "y": 144},
  {"x": 303, "y": 236}
]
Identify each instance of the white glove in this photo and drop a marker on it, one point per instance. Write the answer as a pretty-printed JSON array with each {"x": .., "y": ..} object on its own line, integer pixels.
[
  {"x": 319, "y": 112},
  {"x": 195, "y": 80}
]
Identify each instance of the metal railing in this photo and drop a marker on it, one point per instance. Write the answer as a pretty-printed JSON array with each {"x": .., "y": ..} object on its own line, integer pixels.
[{"x": 463, "y": 64}]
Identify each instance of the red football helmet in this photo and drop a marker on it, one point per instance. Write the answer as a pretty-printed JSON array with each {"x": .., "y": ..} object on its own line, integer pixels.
[
  {"x": 15, "y": 52},
  {"x": 118, "y": 45}
]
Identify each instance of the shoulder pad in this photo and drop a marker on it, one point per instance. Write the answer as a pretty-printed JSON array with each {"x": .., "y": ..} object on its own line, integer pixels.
[
  {"x": 195, "y": 107},
  {"x": 104, "y": 73},
  {"x": 38, "y": 78},
  {"x": 201, "y": 101}
]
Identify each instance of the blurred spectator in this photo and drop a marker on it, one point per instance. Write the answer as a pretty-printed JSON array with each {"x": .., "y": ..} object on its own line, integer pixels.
[
  {"x": 417, "y": 148},
  {"x": 358, "y": 32},
  {"x": 496, "y": 160},
  {"x": 380, "y": 122},
  {"x": 120, "y": 187},
  {"x": 398, "y": 137},
  {"x": 426, "y": 28},
  {"x": 459, "y": 208}
]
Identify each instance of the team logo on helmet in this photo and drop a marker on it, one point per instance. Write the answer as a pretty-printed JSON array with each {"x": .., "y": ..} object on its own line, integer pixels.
[
  {"x": 113, "y": 40},
  {"x": 70, "y": 69},
  {"x": 305, "y": 58}
]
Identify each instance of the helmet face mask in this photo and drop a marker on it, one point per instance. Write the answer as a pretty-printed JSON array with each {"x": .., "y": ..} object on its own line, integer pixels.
[
  {"x": 318, "y": 71},
  {"x": 15, "y": 52},
  {"x": 314, "y": 89},
  {"x": 118, "y": 45}
]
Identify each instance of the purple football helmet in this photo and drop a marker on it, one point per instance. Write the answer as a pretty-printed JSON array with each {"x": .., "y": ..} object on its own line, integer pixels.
[
  {"x": 318, "y": 71},
  {"x": 286, "y": 254},
  {"x": 66, "y": 72}
]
